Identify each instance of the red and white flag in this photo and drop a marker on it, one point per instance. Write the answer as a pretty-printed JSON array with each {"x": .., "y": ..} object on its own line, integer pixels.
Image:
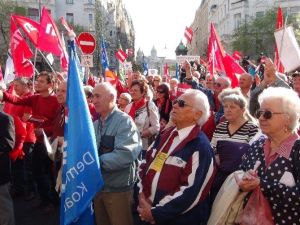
[
  {"x": 64, "y": 58},
  {"x": 279, "y": 24},
  {"x": 49, "y": 37},
  {"x": 188, "y": 34},
  {"x": 129, "y": 52},
  {"x": 20, "y": 52},
  {"x": 65, "y": 24},
  {"x": 30, "y": 27},
  {"x": 121, "y": 55}
]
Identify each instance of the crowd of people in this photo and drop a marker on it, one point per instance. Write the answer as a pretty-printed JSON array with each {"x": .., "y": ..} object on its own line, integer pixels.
[{"x": 164, "y": 155}]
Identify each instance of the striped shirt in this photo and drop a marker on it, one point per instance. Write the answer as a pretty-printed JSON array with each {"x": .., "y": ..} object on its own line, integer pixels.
[{"x": 244, "y": 134}]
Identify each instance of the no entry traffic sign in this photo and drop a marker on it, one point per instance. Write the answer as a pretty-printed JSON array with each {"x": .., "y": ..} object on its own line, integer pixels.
[{"x": 86, "y": 42}]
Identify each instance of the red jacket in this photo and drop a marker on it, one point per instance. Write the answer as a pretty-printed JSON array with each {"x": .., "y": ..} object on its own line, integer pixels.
[{"x": 20, "y": 132}]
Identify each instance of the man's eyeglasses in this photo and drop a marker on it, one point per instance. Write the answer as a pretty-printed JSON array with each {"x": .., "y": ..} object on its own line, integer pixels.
[
  {"x": 267, "y": 114},
  {"x": 181, "y": 103}
]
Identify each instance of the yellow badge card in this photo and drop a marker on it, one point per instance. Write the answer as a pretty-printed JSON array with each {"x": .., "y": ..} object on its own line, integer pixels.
[{"x": 159, "y": 161}]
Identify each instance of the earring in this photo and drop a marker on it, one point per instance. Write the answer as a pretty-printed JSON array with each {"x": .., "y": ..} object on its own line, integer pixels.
[{"x": 286, "y": 129}]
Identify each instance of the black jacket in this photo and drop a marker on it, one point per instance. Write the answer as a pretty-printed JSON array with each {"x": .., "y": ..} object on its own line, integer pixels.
[{"x": 7, "y": 142}]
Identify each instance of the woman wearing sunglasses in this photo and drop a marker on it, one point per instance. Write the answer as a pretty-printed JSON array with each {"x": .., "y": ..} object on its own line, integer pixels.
[
  {"x": 231, "y": 138},
  {"x": 278, "y": 176}
]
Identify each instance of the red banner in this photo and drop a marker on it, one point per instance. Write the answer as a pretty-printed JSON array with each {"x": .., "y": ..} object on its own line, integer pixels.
[
  {"x": 188, "y": 34},
  {"x": 279, "y": 24},
  {"x": 20, "y": 52},
  {"x": 49, "y": 38},
  {"x": 121, "y": 55},
  {"x": 30, "y": 27}
]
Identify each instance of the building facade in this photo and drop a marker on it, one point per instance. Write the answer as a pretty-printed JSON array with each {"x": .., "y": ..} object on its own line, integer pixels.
[
  {"x": 107, "y": 19},
  {"x": 228, "y": 15}
]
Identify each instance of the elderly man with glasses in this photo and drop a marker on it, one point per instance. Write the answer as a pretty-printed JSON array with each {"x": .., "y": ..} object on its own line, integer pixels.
[{"x": 176, "y": 176}]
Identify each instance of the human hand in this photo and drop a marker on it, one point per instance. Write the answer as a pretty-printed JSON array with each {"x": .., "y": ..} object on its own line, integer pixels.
[
  {"x": 144, "y": 209},
  {"x": 26, "y": 117},
  {"x": 145, "y": 133},
  {"x": 248, "y": 183}
]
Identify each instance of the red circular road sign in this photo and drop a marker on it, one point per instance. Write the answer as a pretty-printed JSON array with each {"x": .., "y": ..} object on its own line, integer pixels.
[{"x": 86, "y": 42}]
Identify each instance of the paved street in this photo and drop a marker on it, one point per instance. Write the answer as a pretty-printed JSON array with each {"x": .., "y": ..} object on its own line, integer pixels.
[{"x": 27, "y": 214}]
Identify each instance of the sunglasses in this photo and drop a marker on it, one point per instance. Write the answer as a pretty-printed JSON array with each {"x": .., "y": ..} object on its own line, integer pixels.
[
  {"x": 267, "y": 114},
  {"x": 218, "y": 84},
  {"x": 181, "y": 103}
]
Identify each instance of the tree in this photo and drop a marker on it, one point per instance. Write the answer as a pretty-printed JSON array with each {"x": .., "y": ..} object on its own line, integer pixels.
[{"x": 257, "y": 35}]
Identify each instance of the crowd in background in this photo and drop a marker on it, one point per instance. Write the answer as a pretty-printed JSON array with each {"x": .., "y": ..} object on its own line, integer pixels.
[{"x": 164, "y": 155}]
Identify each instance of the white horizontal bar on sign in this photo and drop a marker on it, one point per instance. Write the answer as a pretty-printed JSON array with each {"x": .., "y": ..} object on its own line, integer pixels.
[{"x": 88, "y": 43}]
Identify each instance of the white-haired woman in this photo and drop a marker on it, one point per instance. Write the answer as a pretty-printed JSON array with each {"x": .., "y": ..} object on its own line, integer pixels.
[
  {"x": 231, "y": 138},
  {"x": 124, "y": 100},
  {"x": 278, "y": 175}
]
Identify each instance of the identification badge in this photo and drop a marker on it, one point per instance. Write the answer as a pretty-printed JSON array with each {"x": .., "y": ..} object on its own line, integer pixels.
[{"x": 159, "y": 161}]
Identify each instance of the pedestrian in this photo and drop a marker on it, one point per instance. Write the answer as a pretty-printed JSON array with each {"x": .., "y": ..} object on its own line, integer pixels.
[
  {"x": 119, "y": 146},
  {"x": 176, "y": 176}
]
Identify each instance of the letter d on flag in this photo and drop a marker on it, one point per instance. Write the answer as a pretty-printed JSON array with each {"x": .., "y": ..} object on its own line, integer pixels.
[{"x": 81, "y": 176}]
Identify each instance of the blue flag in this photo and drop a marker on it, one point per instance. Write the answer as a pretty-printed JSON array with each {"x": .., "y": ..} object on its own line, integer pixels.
[
  {"x": 177, "y": 71},
  {"x": 145, "y": 67},
  {"x": 104, "y": 59},
  {"x": 81, "y": 176}
]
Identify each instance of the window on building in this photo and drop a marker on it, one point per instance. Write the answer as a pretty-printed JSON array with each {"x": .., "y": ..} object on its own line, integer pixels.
[
  {"x": 70, "y": 18},
  {"x": 90, "y": 18},
  {"x": 90, "y": 1},
  {"x": 70, "y": 1},
  {"x": 110, "y": 33},
  {"x": 237, "y": 20},
  {"x": 259, "y": 14},
  {"x": 33, "y": 14}
]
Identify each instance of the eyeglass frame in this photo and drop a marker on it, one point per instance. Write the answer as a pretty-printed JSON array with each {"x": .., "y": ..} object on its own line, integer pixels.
[
  {"x": 181, "y": 103},
  {"x": 260, "y": 113}
]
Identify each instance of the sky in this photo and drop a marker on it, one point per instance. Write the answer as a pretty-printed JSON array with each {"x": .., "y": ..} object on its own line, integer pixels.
[{"x": 160, "y": 23}]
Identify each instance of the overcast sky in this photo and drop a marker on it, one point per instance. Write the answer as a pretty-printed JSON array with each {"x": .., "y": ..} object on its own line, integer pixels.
[{"x": 160, "y": 23}]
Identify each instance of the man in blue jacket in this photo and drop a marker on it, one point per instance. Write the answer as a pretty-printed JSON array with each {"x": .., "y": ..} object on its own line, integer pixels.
[{"x": 119, "y": 146}]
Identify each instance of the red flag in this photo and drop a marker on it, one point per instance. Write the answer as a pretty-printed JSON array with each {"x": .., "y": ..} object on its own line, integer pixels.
[
  {"x": 166, "y": 70},
  {"x": 64, "y": 58},
  {"x": 65, "y": 24},
  {"x": 188, "y": 34},
  {"x": 232, "y": 69},
  {"x": 215, "y": 52},
  {"x": 237, "y": 55},
  {"x": 220, "y": 61},
  {"x": 129, "y": 52},
  {"x": 30, "y": 27},
  {"x": 279, "y": 24},
  {"x": 49, "y": 38},
  {"x": 20, "y": 52},
  {"x": 121, "y": 55}
]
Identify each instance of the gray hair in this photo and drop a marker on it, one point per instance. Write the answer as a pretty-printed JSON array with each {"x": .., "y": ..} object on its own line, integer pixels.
[
  {"x": 127, "y": 96},
  {"x": 22, "y": 80},
  {"x": 227, "y": 80},
  {"x": 108, "y": 88},
  {"x": 174, "y": 79},
  {"x": 235, "y": 95},
  {"x": 290, "y": 103},
  {"x": 200, "y": 103}
]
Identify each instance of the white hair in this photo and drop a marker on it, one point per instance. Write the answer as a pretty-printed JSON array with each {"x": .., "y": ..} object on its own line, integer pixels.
[
  {"x": 226, "y": 79},
  {"x": 108, "y": 88},
  {"x": 127, "y": 96},
  {"x": 200, "y": 103},
  {"x": 290, "y": 103},
  {"x": 174, "y": 79}
]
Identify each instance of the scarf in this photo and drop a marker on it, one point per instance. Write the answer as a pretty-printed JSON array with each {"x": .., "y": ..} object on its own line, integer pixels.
[{"x": 136, "y": 106}]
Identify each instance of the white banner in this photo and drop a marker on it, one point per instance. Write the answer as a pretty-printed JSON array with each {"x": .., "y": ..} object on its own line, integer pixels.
[
  {"x": 181, "y": 58},
  {"x": 288, "y": 48},
  {"x": 127, "y": 66},
  {"x": 87, "y": 60}
]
